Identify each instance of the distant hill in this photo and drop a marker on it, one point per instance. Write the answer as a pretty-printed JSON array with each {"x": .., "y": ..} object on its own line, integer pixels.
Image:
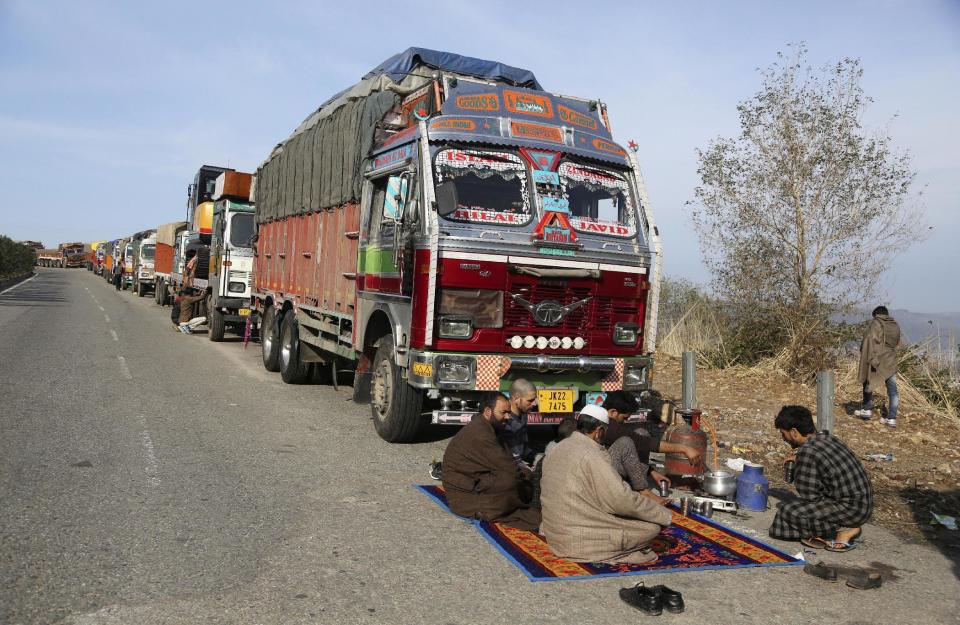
[{"x": 918, "y": 326}]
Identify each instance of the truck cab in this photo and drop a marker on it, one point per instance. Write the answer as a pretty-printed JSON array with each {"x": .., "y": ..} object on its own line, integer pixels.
[
  {"x": 146, "y": 255},
  {"x": 231, "y": 264}
]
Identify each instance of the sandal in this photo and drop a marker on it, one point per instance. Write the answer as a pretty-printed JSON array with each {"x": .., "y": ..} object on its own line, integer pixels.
[
  {"x": 839, "y": 546},
  {"x": 814, "y": 542}
]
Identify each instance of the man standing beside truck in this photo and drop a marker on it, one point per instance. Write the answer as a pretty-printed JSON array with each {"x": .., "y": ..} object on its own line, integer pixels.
[{"x": 187, "y": 322}]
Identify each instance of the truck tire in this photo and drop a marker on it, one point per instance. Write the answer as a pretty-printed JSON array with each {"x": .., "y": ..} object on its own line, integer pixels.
[
  {"x": 395, "y": 405},
  {"x": 292, "y": 369},
  {"x": 217, "y": 324},
  {"x": 270, "y": 340}
]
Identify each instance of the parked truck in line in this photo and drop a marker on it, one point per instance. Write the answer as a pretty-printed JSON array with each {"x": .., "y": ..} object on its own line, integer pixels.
[
  {"x": 144, "y": 268},
  {"x": 446, "y": 226},
  {"x": 230, "y": 255},
  {"x": 72, "y": 255},
  {"x": 48, "y": 258},
  {"x": 163, "y": 258}
]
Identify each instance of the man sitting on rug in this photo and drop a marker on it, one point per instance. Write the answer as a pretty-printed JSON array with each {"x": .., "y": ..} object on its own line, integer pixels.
[
  {"x": 480, "y": 477},
  {"x": 835, "y": 493},
  {"x": 589, "y": 513},
  {"x": 620, "y": 405}
]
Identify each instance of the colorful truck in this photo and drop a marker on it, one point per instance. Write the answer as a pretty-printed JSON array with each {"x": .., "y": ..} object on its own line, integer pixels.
[
  {"x": 72, "y": 255},
  {"x": 445, "y": 227},
  {"x": 230, "y": 255},
  {"x": 163, "y": 259}
]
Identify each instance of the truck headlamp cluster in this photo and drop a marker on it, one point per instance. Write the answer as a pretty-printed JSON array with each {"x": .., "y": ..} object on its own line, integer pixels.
[
  {"x": 634, "y": 376},
  {"x": 543, "y": 342},
  {"x": 237, "y": 287},
  {"x": 625, "y": 333},
  {"x": 455, "y": 370},
  {"x": 455, "y": 327}
]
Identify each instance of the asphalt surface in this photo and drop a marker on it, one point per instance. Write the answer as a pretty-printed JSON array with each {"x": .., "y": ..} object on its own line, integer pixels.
[{"x": 148, "y": 476}]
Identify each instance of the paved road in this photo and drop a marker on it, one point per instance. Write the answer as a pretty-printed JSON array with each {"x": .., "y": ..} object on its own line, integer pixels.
[{"x": 152, "y": 477}]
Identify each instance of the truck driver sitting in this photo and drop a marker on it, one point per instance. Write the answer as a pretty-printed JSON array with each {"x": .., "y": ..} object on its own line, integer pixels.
[
  {"x": 480, "y": 477},
  {"x": 835, "y": 493}
]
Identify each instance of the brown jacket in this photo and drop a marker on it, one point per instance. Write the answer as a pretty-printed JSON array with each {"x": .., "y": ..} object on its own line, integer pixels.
[
  {"x": 481, "y": 479},
  {"x": 589, "y": 513},
  {"x": 878, "y": 351}
]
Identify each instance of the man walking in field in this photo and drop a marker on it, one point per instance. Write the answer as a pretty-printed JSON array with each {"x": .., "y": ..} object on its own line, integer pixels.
[{"x": 878, "y": 364}]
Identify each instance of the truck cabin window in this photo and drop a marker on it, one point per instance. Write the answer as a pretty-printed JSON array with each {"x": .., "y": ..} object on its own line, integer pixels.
[
  {"x": 147, "y": 252},
  {"x": 241, "y": 229},
  {"x": 600, "y": 200},
  {"x": 491, "y": 186}
]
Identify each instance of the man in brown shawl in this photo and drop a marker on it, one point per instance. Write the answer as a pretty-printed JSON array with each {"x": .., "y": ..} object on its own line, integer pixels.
[
  {"x": 878, "y": 364},
  {"x": 589, "y": 513},
  {"x": 480, "y": 477}
]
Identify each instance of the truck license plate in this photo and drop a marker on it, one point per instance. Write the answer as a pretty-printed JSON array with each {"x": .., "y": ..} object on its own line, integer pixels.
[
  {"x": 556, "y": 399},
  {"x": 243, "y": 312}
]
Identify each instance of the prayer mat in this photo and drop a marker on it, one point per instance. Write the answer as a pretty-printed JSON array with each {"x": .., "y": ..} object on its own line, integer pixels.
[{"x": 692, "y": 543}]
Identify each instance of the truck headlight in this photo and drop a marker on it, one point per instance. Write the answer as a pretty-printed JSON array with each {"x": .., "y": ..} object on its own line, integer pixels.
[
  {"x": 454, "y": 369},
  {"x": 625, "y": 333},
  {"x": 236, "y": 287},
  {"x": 634, "y": 376},
  {"x": 456, "y": 327}
]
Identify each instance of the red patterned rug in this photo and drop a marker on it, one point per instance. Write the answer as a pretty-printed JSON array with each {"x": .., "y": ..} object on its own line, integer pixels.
[{"x": 693, "y": 543}]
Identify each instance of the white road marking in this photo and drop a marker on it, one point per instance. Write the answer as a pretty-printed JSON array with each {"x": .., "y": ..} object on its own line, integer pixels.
[
  {"x": 152, "y": 466},
  {"x": 124, "y": 369},
  {"x": 106, "y": 318},
  {"x": 18, "y": 284},
  {"x": 114, "y": 335},
  {"x": 101, "y": 308}
]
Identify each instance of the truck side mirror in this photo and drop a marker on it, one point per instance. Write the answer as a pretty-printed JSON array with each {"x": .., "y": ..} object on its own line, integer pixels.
[{"x": 447, "y": 198}]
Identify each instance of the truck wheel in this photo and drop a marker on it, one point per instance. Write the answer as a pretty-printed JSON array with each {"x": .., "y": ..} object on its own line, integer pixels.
[
  {"x": 217, "y": 324},
  {"x": 292, "y": 370},
  {"x": 269, "y": 341},
  {"x": 395, "y": 404}
]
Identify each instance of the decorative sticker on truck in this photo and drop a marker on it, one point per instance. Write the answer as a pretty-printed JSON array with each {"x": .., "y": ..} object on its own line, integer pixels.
[
  {"x": 392, "y": 157},
  {"x": 539, "y": 132},
  {"x": 576, "y": 118},
  {"x": 526, "y": 103},
  {"x": 479, "y": 102},
  {"x": 462, "y": 125}
]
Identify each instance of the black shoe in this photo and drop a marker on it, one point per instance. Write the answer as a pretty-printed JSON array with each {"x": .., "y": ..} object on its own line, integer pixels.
[
  {"x": 821, "y": 570},
  {"x": 671, "y": 599},
  {"x": 647, "y": 600},
  {"x": 436, "y": 471}
]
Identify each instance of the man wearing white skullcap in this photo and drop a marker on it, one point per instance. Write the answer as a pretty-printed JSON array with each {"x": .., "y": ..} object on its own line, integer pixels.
[{"x": 589, "y": 513}]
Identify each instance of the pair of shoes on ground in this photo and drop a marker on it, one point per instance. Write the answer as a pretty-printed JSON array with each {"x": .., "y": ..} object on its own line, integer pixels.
[
  {"x": 837, "y": 546},
  {"x": 889, "y": 422},
  {"x": 860, "y": 578},
  {"x": 866, "y": 415},
  {"x": 653, "y": 600}
]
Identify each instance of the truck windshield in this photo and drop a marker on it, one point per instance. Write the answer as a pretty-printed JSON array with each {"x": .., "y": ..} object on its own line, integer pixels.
[
  {"x": 128, "y": 250},
  {"x": 147, "y": 252},
  {"x": 491, "y": 186},
  {"x": 600, "y": 200},
  {"x": 241, "y": 229}
]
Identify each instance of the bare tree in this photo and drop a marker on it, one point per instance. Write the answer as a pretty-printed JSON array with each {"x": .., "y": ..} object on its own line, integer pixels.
[{"x": 800, "y": 215}]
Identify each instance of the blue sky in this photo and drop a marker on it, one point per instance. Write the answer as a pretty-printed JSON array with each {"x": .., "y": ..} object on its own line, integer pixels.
[{"x": 108, "y": 108}]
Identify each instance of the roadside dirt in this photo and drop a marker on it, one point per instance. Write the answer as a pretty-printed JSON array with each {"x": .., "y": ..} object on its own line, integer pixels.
[{"x": 922, "y": 478}]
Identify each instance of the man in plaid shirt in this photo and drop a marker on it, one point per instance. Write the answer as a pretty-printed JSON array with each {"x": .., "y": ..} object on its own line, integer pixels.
[{"x": 835, "y": 493}]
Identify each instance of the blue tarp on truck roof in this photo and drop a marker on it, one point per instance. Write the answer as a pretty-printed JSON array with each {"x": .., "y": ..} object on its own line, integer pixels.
[{"x": 399, "y": 65}]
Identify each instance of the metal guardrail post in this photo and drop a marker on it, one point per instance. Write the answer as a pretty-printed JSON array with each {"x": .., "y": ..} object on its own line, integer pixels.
[
  {"x": 689, "y": 380},
  {"x": 825, "y": 397}
]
